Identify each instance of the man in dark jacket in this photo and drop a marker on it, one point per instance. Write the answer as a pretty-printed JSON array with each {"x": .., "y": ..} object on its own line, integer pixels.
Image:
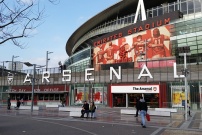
[
  {"x": 85, "y": 109},
  {"x": 143, "y": 111},
  {"x": 137, "y": 106}
]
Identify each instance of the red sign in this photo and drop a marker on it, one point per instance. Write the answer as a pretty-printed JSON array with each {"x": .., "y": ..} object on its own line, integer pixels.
[{"x": 40, "y": 88}]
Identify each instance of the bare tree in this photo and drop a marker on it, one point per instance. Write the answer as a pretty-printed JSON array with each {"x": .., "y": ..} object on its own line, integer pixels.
[{"x": 18, "y": 18}]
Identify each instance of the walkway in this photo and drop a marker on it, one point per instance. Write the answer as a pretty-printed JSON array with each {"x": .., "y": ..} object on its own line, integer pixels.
[{"x": 112, "y": 122}]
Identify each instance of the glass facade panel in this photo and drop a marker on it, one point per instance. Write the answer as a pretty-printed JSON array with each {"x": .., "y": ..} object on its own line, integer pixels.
[
  {"x": 184, "y": 7},
  {"x": 197, "y": 5},
  {"x": 154, "y": 12},
  {"x": 160, "y": 11},
  {"x": 171, "y": 8},
  {"x": 190, "y": 7}
]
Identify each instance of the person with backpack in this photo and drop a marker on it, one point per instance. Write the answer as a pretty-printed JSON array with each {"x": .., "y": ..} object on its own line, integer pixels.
[{"x": 143, "y": 111}]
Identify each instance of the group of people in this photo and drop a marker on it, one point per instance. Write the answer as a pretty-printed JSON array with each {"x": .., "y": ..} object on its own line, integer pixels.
[
  {"x": 88, "y": 109},
  {"x": 18, "y": 103}
]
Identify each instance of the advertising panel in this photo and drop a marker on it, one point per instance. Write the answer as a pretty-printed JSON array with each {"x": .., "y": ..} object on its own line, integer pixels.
[
  {"x": 146, "y": 42},
  {"x": 79, "y": 95},
  {"x": 178, "y": 97},
  {"x": 151, "y": 45}
]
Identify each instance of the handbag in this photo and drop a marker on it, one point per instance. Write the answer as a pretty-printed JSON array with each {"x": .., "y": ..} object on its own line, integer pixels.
[{"x": 148, "y": 117}]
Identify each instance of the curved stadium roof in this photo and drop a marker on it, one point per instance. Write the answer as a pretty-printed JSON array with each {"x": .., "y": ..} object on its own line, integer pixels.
[{"x": 120, "y": 9}]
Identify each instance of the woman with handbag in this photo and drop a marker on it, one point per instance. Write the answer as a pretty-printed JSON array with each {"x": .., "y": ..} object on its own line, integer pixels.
[{"x": 143, "y": 111}]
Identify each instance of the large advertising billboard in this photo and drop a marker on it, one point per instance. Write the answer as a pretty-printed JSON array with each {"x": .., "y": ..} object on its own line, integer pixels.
[
  {"x": 150, "y": 45},
  {"x": 146, "y": 42}
]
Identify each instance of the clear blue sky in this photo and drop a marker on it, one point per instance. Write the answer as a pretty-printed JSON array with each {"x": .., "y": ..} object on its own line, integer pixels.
[{"x": 60, "y": 22}]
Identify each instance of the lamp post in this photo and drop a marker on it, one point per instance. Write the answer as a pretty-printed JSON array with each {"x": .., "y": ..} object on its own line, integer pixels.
[
  {"x": 47, "y": 59},
  {"x": 33, "y": 80},
  {"x": 12, "y": 61},
  {"x": 185, "y": 51}
]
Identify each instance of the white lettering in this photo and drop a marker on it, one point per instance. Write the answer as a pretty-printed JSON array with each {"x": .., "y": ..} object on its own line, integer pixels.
[
  {"x": 147, "y": 74},
  {"x": 175, "y": 72},
  {"x": 118, "y": 76},
  {"x": 87, "y": 75},
  {"x": 46, "y": 75},
  {"x": 27, "y": 79},
  {"x": 143, "y": 13},
  {"x": 66, "y": 75}
]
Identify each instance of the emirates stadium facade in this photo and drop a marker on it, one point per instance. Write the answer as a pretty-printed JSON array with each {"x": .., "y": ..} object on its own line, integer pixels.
[
  {"x": 117, "y": 51},
  {"x": 133, "y": 48}
]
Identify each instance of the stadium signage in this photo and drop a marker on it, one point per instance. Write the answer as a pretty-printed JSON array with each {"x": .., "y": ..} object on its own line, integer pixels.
[
  {"x": 66, "y": 74},
  {"x": 135, "y": 88},
  {"x": 137, "y": 27},
  {"x": 38, "y": 89}
]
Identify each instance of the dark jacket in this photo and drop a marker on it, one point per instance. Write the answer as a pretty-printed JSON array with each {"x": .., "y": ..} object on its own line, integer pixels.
[
  {"x": 138, "y": 104},
  {"x": 9, "y": 101},
  {"x": 92, "y": 108},
  {"x": 143, "y": 105},
  {"x": 18, "y": 103},
  {"x": 85, "y": 106}
]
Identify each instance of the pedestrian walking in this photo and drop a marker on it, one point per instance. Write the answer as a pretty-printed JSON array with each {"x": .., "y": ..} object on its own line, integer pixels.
[
  {"x": 143, "y": 111},
  {"x": 9, "y": 103},
  {"x": 137, "y": 106}
]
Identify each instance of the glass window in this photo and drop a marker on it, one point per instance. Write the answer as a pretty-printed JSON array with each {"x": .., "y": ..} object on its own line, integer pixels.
[
  {"x": 51, "y": 97},
  {"x": 154, "y": 12},
  {"x": 45, "y": 96},
  {"x": 192, "y": 43},
  {"x": 197, "y": 5},
  {"x": 184, "y": 8},
  {"x": 130, "y": 19},
  {"x": 182, "y": 40},
  {"x": 176, "y": 6},
  {"x": 190, "y": 7},
  {"x": 199, "y": 47},
  {"x": 171, "y": 8},
  {"x": 200, "y": 51},
  {"x": 160, "y": 11},
  {"x": 40, "y": 96},
  {"x": 193, "y": 47},
  {"x": 191, "y": 39},
  {"x": 150, "y": 14},
  {"x": 199, "y": 37},
  {"x": 56, "y": 96},
  {"x": 12, "y": 96},
  {"x": 165, "y": 8}
]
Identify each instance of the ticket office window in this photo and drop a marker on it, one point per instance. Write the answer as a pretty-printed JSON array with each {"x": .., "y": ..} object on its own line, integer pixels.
[
  {"x": 40, "y": 96},
  {"x": 45, "y": 96},
  {"x": 50, "y": 96},
  {"x": 19, "y": 96}
]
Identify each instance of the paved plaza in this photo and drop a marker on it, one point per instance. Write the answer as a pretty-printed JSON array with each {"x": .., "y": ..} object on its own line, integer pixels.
[{"x": 109, "y": 121}]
